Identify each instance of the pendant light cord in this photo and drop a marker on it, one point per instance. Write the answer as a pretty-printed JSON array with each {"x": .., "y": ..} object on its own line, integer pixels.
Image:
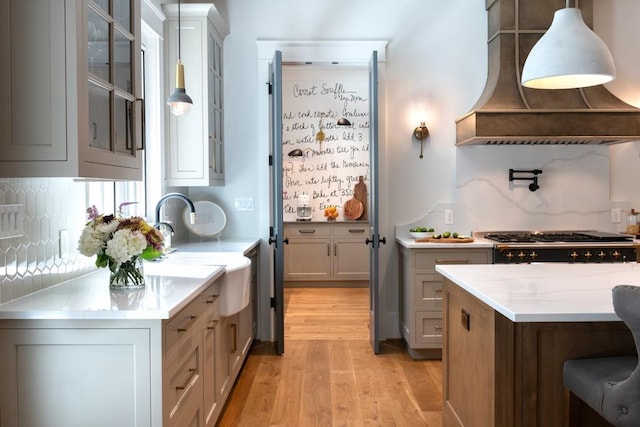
[{"x": 180, "y": 24}]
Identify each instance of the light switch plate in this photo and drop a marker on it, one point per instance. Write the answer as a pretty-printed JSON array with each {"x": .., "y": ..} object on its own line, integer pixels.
[
  {"x": 448, "y": 216},
  {"x": 243, "y": 203}
]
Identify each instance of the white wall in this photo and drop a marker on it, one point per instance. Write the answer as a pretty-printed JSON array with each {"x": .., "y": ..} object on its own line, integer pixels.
[{"x": 436, "y": 69}]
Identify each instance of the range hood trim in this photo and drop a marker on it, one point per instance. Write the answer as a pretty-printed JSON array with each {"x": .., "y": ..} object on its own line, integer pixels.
[{"x": 506, "y": 113}]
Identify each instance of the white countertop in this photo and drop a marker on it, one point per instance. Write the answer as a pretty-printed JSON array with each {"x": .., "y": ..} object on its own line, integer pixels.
[
  {"x": 89, "y": 297},
  {"x": 545, "y": 292},
  {"x": 228, "y": 246},
  {"x": 410, "y": 242},
  {"x": 168, "y": 289}
]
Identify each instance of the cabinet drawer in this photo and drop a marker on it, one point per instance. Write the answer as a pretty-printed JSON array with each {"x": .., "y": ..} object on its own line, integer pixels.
[
  {"x": 184, "y": 385},
  {"x": 428, "y": 330},
  {"x": 306, "y": 230},
  {"x": 182, "y": 325},
  {"x": 428, "y": 260},
  {"x": 428, "y": 288},
  {"x": 352, "y": 230}
]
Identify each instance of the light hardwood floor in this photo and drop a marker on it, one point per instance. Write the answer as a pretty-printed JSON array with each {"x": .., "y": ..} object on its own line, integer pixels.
[{"x": 328, "y": 375}]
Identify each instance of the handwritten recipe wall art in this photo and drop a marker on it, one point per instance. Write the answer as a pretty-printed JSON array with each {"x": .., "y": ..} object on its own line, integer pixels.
[{"x": 334, "y": 157}]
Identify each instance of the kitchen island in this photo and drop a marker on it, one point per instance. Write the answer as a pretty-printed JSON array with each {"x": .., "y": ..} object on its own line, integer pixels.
[{"x": 509, "y": 329}]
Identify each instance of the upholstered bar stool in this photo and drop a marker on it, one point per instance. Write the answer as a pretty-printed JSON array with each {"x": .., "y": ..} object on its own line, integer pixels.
[{"x": 611, "y": 385}]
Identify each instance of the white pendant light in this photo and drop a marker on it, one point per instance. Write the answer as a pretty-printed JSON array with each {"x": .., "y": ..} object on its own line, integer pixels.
[
  {"x": 179, "y": 102},
  {"x": 568, "y": 56}
]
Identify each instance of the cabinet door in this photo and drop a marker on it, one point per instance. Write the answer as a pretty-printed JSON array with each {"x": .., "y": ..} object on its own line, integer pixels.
[
  {"x": 234, "y": 345},
  {"x": 195, "y": 152},
  {"x": 73, "y": 377},
  {"x": 308, "y": 259},
  {"x": 211, "y": 394},
  {"x": 70, "y": 106},
  {"x": 350, "y": 259}
]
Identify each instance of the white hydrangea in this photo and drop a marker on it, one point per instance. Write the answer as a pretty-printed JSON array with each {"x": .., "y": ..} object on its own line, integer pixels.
[
  {"x": 125, "y": 244},
  {"x": 91, "y": 242}
]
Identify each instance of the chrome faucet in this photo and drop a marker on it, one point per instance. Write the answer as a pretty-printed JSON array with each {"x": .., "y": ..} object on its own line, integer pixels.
[{"x": 192, "y": 217}]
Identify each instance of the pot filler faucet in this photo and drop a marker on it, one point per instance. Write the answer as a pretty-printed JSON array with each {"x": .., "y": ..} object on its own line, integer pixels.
[{"x": 192, "y": 216}]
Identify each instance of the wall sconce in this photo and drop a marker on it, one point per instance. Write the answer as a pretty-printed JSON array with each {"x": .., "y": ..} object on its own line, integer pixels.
[
  {"x": 421, "y": 133},
  {"x": 343, "y": 122},
  {"x": 179, "y": 102}
]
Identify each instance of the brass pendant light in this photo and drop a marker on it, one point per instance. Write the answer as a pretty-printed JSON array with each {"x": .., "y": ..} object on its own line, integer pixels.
[{"x": 179, "y": 102}]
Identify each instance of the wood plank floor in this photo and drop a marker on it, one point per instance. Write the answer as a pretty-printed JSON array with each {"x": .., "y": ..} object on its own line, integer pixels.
[{"x": 329, "y": 376}]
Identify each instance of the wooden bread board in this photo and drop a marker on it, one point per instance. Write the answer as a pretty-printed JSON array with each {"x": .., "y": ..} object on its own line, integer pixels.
[{"x": 445, "y": 240}]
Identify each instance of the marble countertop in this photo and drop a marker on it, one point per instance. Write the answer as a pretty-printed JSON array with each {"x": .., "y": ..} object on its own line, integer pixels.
[
  {"x": 410, "y": 242},
  {"x": 168, "y": 289},
  {"x": 89, "y": 297},
  {"x": 228, "y": 246},
  {"x": 545, "y": 292}
]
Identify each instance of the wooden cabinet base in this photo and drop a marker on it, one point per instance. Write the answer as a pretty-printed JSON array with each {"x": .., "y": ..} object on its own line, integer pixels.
[{"x": 500, "y": 373}]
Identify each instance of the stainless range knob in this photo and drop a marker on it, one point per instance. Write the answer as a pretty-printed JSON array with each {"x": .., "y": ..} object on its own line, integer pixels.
[
  {"x": 573, "y": 255},
  {"x": 588, "y": 255}
]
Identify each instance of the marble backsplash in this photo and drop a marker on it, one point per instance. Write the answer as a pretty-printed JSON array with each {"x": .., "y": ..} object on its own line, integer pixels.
[{"x": 574, "y": 190}]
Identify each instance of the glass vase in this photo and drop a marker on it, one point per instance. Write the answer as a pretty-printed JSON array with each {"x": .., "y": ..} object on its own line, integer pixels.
[{"x": 129, "y": 274}]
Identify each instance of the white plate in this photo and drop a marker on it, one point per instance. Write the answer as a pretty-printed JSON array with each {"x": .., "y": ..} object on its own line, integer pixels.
[{"x": 210, "y": 219}]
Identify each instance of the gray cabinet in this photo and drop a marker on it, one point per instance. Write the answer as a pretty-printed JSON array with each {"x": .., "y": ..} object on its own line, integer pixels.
[
  {"x": 70, "y": 75},
  {"x": 319, "y": 252},
  {"x": 421, "y": 295},
  {"x": 195, "y": 141}
]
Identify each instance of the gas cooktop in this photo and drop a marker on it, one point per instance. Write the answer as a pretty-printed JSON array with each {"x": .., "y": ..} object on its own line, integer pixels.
[{"x": 556, "y": 237}]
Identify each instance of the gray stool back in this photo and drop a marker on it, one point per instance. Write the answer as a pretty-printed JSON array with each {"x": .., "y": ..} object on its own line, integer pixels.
[{"x": 611, "y": 385}]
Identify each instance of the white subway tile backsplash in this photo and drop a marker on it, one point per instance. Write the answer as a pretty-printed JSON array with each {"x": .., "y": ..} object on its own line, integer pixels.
[{"x": 30, "y": 262}]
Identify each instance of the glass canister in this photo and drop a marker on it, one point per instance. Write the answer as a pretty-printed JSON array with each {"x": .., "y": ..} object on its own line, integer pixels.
[{"x": 632, "y": 223}]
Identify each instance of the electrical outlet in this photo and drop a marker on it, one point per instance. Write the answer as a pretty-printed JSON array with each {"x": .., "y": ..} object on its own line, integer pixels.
[
  {"x": 63, "y": 243},
  {"x": 448, "y": 216},
  {"x": 616, "y": 216}
]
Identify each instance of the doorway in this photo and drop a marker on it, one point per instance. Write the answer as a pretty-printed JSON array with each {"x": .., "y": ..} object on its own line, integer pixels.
[{"x": 276, "y": 238}]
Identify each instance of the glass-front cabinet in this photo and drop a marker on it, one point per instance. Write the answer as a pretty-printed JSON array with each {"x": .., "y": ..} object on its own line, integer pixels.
[{"x": 75, "y": 74}]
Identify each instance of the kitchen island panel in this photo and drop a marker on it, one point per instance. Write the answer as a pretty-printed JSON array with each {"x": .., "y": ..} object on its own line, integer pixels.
[{"x": 513, "y": 370}]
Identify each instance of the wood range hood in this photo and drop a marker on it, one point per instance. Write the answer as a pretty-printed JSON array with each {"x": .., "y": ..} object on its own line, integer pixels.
[{"x": 509, "y": 114}]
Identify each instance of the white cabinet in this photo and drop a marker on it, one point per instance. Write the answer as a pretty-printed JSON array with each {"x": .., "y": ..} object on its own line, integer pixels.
[
  {"x": 56, "y": 376},
  {"x": 76, "y": 372},
  {"x": 70, "y": 75},
  {"x": 319, "y": 252},
  {"x": 421, "y": 295},
  {"x": 195, "y": 141}
]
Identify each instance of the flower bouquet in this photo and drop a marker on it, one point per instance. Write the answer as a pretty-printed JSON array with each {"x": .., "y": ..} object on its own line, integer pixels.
[{"x": 120, "y": 244}]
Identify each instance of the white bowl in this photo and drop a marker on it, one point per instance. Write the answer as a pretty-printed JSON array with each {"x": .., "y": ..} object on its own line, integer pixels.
[{"x": 421, "y": 235}]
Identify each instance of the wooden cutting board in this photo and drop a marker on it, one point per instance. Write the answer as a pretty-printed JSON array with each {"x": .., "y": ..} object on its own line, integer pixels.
[
  {"x": 353, "y": 209},
  {"x": 447, "y": 240}
]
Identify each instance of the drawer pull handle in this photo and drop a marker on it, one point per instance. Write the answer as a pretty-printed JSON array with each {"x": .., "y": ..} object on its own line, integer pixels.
[
  {"x": 437, "y": 327},
  {"x": 356, "y": 230},
  {"x": 452, "y": 261},
  {"x": 233, "y": 329},
  {"x": 186, "y": 327},
  {"x": 437, "y": 291},
  {"x": 211, "y": 299},
  {"x": 186, "y": 384},
  {"x": 213, "y": 325},
  {"x": 303, "y": 231}
]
